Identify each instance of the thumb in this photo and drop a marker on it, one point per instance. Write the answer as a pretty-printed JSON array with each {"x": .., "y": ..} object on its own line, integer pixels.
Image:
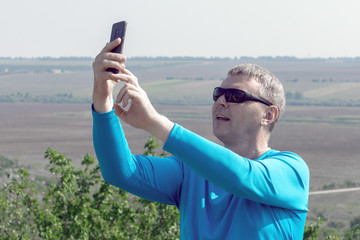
[
  {"x": 111, "y": 45},
  {"x": 119, "y": 111}
]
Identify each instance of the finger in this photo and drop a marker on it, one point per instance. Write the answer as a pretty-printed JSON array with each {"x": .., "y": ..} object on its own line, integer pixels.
[
  {"x": 121, "y": 94},
  {"x": 115, "y": 57},
  {"x": 109, "y": 76},
  {"x": 127, "y": 72},
  {"x": 129, "y": 77},
  {"x": 106, "y": 54},
  {"x": 126, "y": 98},
  {"x": 126, "y": 93},
  {"x": 132, "y": 80},
  {"x": 111, "y": 64},
  {"x": 111, "y": 45},
  {"x": 119, "y": 111},
  {"x": 104, "y": 61}
]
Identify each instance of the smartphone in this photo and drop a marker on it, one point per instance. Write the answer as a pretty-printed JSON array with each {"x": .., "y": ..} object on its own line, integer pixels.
[{"x": 118, "y": 31}]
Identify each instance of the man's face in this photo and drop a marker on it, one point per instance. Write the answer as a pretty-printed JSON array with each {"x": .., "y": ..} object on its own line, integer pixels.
[{"x": 233, "y": 122}]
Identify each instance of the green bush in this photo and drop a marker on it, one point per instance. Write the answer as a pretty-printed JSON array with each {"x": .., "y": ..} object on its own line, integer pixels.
[{"x": 80, "y": 205}]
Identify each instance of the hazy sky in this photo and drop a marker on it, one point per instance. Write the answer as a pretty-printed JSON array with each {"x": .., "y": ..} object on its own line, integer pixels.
[{"x": 300, "y": 28}]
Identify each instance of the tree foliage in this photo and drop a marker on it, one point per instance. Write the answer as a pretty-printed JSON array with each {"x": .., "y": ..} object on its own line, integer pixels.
[
  {"x": 311, "y": 230},
  {"x": 80, "y": 205}
]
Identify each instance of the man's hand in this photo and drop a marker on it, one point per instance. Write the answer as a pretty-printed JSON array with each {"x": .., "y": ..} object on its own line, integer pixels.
[
  {"x": 141, "y": 113},
  {"x": 105, "y": 81}
]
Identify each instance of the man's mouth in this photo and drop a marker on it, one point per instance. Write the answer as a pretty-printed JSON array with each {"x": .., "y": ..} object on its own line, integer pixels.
[{"x": 222, "y": 117}]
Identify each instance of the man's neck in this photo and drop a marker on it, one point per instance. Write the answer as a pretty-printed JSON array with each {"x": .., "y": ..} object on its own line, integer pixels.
[
  {"x": 250, "y": 154},
  {"x": 251, "y": 149}
]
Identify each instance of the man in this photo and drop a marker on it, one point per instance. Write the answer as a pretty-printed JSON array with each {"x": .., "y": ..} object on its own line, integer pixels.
[{"x": 244, "y": 190}]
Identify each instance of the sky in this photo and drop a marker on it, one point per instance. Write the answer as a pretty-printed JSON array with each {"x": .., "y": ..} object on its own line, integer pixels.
[{"x": 206, "y": 28}]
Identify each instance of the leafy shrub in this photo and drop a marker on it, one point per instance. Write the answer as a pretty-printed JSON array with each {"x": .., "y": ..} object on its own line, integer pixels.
[{"x": 80, "y": 205}]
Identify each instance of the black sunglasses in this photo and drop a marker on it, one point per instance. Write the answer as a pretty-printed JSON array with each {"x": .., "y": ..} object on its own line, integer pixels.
[{"x": 237, "y": 96}]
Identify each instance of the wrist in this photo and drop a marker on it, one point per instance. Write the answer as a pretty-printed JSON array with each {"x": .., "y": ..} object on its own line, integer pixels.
[
  {"x": 102, "y": 105},
  {"x": 161, "y": 128},
  {"x": 102, "y": 98}
]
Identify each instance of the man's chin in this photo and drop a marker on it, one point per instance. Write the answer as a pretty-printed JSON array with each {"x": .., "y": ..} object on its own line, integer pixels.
[{"x": 220, "y": 136}]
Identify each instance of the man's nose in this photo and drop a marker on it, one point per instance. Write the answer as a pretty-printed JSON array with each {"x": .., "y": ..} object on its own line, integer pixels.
[{"x": 221, "y": 100}]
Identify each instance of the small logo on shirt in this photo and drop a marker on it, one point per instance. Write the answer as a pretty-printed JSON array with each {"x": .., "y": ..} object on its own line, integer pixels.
[{"x": 213, "y": 196}]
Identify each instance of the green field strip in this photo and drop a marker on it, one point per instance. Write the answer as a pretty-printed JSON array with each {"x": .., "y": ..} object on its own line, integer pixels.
[
  {"x": 339, "y": 90},
  {"x": 348, "y": 121}
]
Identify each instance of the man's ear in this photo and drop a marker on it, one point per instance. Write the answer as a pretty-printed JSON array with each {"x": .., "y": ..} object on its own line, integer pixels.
[{"x": 270, "y": 115}]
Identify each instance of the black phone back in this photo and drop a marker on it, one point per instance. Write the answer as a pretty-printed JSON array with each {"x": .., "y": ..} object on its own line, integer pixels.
[{"x": 118, "y": 31}]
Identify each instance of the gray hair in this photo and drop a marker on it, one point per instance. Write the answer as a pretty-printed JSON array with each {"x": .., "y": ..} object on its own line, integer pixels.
[{"x": 271, "y": 88}]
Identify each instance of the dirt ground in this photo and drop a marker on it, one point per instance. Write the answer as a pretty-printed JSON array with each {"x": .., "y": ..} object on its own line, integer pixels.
[{"x": 330, "y": 149}]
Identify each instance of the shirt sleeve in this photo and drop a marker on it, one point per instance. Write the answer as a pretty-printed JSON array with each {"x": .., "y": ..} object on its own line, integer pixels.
[
  {"x": 154, "y": 178},
  {"x": 280, "y": 179}
]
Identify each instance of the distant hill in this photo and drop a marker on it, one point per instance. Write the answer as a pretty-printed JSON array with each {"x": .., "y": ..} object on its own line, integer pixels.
[{"x": 180, "y": 80}]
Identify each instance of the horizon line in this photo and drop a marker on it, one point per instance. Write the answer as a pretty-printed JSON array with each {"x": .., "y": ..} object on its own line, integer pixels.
[{"x": 265, "y": 57}]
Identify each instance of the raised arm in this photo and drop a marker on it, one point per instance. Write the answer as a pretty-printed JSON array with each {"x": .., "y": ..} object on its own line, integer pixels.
[
  {"x": 153, "y": 178},
  {"x": 156, "y": 179},
  {"x": 277, "y": 178}
]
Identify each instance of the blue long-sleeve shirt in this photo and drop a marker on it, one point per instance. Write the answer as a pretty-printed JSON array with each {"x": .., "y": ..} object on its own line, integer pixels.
[{"x": 220, "y": 194}]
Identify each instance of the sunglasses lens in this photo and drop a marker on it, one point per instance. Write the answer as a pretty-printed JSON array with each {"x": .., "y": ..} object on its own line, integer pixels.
[
  {"x": 236, "y": 96},
  {"x": 217, "y": 93},
  {"x": 231, "y": 95}
]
